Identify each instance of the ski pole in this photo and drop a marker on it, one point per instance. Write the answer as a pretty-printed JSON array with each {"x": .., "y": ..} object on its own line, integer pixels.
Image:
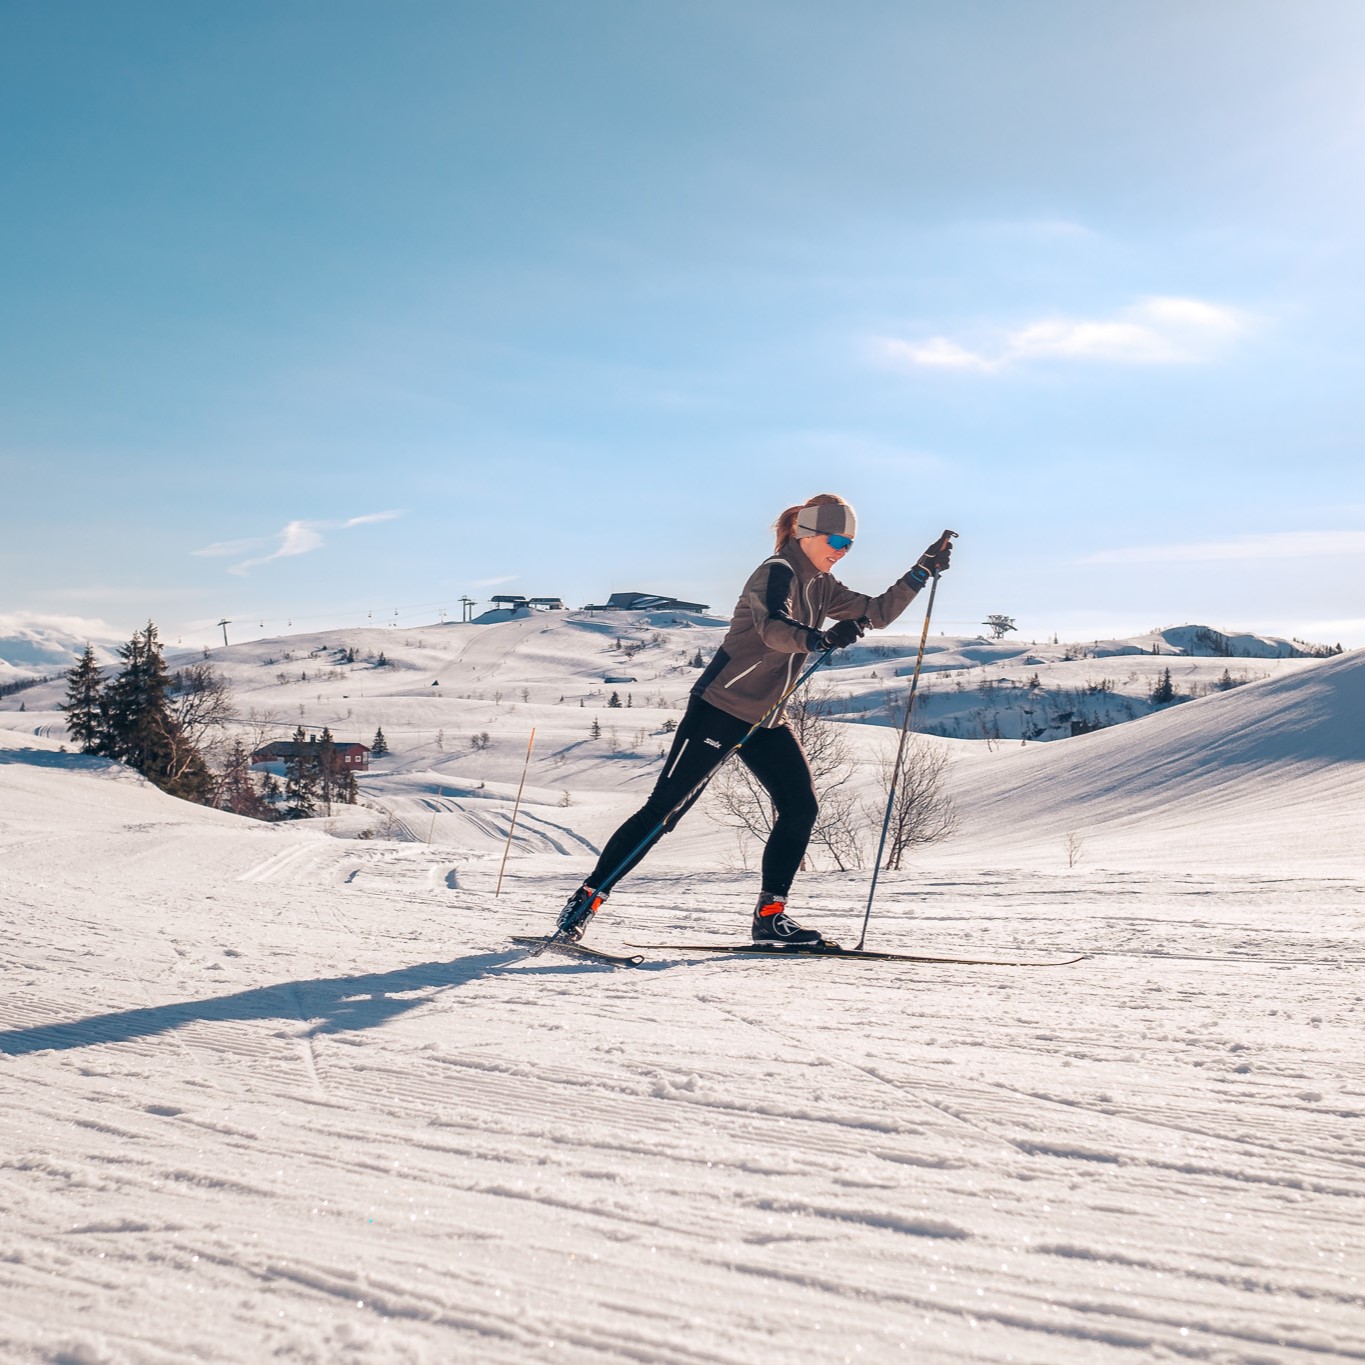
[
  {"x": 900, "y": 749},
  {"x": 516, "y": 806}
]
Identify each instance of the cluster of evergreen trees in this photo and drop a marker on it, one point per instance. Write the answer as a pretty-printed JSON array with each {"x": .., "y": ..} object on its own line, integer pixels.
[
  {"x": 316, "y": 778},
  {"x": 133, "y": 716},
  {"x": 157, "y": 722},
  {"x": 21, "y": 685}
]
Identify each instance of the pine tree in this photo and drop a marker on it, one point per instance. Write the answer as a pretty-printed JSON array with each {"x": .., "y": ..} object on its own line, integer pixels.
[
  {"x": 615, "y": 701},
  {"x": 327, "y": 769},
  {"x": 596, "y": 730},
  {"x": 237, "y": 792},
  {"x": 379, "y": 745},
  {"x": 300, "y": 778},
  {"x": 139, "y": 728},
  {"x": 124, "y": 703},
  {"x": 84, "y": 703},
  {"x": 1164, "y": 691}
]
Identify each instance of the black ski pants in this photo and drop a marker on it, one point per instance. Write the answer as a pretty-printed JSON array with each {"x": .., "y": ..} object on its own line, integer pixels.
[{"x": 703, "y": 739}]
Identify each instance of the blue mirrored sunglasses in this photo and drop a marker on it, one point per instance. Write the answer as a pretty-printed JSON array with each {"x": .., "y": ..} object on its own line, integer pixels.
[{"x": 840, "y": 542}]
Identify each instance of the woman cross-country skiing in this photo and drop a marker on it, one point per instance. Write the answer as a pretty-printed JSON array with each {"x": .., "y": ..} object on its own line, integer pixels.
[{"x": 778, "y": 621}]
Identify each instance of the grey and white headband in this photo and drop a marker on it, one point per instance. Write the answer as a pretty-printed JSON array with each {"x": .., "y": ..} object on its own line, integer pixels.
[{"x": 826, "y": 519}]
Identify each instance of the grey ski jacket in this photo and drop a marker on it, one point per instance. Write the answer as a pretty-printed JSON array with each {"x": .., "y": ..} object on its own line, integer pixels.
[{"x": 777, "y": 623}]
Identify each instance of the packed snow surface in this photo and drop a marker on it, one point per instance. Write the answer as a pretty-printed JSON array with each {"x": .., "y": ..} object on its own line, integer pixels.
[{"x": 273, "y": 1093}]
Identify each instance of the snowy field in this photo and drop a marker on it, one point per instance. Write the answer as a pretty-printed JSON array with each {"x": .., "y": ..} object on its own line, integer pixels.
[{"x": 274, "y": 1094}]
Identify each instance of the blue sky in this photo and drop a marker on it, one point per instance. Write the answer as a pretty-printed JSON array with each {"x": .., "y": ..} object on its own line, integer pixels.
[{"x": 317, "y": 312}]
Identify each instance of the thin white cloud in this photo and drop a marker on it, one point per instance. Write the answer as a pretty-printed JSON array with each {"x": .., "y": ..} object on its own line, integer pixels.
[
  {"x": 366, "y": 520},
  {"x": 495, "y": 582},
  {"x": 936, "y": 353},
  {"x": 294, "y": 538},
  {"x": 1153, "y": 331},
  {"x": 1271, "y": 545}
]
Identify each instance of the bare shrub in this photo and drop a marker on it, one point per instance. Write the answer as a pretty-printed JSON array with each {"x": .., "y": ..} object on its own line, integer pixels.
[
  {"x": 738, "y": 800},
  {"x": 920, "y": 812},
  {"x": 1074, "y": 845},
  {"x": 201, "y": 707}
]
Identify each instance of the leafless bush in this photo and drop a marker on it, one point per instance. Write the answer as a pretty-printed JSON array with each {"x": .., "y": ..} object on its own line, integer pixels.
[
  {"x": 738, "y": 800},
  {"x": 201, "y": 707},
  {"x": 1074, "y": 845},
  {"x": 921, "y": 813}
]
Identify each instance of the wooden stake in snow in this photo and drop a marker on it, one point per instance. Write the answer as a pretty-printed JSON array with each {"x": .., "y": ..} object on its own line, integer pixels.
[{"x": 515, "y": 808}]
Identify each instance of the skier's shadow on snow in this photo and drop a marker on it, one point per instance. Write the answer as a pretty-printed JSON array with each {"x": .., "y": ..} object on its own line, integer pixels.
[{"x": 341, "y": 1004}]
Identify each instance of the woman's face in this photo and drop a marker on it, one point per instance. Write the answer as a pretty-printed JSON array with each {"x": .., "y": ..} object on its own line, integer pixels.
[{"x": 821, "y": 553}]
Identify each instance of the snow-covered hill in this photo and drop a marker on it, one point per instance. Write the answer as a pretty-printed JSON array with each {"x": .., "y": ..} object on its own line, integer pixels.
[
  {"x": 32, "y": 648},
  {"x": 1273, "y": 771},
  {"x": 273, "y": 1094},
  {"x": 270, "y": 1094},
  {"x": 457, "y": 704}
]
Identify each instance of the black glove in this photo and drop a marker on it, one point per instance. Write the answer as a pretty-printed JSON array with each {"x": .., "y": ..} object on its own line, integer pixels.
[
  {"x": 933, "y": 561},
  {"x": 840, "y": 635}
]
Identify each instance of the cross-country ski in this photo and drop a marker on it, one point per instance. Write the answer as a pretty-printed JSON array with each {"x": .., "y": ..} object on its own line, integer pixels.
[
  {"x": 570, "y": 948},
  {"x": 833, "y": 950}
]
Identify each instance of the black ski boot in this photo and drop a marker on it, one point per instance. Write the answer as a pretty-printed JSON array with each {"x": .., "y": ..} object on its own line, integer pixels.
[
  {"x": 772, "y": 925},
  {"x": 578, "y": 912}
]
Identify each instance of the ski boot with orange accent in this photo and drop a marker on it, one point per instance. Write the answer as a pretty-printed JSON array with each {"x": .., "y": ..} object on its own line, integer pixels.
[
  {"x": 772, "y": 925},
  {"x": 578, "y": 912}
]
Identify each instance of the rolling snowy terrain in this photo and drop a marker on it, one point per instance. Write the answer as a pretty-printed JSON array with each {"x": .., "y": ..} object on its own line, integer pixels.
[{"x": 271, "y": 1093}]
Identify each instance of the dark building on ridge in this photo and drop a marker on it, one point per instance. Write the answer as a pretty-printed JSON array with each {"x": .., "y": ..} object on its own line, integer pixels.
[{"x": 646, "y": 601}]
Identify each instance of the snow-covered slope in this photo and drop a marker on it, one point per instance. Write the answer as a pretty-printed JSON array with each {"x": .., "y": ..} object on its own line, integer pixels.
[
  {"x": 1275, "y": 770},
  {"x": 269, "y": 1094},
  {"x": 1262, "y": 761}
]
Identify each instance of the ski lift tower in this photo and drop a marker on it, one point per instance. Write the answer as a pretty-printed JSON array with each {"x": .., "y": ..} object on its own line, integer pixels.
[
  {"x": 225, "y": 624},
  {"x": 467, "y": 605}
]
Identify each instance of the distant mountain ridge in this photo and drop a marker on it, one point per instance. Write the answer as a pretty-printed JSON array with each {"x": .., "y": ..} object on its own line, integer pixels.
[{"x": 30, "y": 649}]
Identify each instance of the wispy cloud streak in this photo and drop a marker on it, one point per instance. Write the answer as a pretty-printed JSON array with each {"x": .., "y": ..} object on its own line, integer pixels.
[
  {"x": 293, "y": 539},
  {"x": 1154, "y": 331}
]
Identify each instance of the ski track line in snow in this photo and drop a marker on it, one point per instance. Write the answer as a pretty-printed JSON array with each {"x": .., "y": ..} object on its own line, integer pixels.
[
  {"x": 1020, "y": 1320},
  {"x": 605, "y": 1147},
  {"x": 833, "y": 1059},
  {"x": 1189, "y": 1127},
  {"x": 1175, "y": 1335},
  {"x": 389, "y": 1301},
  {"x": 916, "y": 1227}
]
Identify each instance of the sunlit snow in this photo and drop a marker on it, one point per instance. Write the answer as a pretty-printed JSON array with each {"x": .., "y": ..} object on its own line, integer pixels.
[{"x": 285, "y": 1092}]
